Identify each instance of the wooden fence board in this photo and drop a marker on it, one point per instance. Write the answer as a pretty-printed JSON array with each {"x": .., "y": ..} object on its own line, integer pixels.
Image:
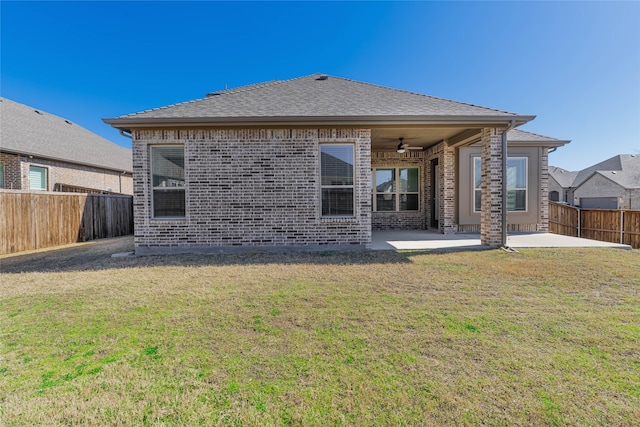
[
  {"x": 563, "y": 219},
  {"x": 607, "y": 225},
  {"x": 632, "y": 228},
  {"x": 33, "y": 220}
]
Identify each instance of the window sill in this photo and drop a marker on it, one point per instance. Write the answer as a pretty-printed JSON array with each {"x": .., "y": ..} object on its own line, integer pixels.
[
  {"x": 170, "y": 219},
  {"x": 338, "y": 219},
  {"x": 397, "y": 212}
]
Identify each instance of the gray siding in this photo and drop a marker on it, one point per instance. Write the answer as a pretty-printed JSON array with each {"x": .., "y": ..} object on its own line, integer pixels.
[{"x": 532, "y": 219}]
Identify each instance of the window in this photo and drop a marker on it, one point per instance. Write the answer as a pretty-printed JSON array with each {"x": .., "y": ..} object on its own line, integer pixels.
[
  {"x": 1, "y": 176},
  {"x": 395, "y": 189},
  {"x": 167, "y": 181},
  {"x": 337, "y": 179},
  {"x": 37, "y": 178},
  {"x": 516, "y": 184}
]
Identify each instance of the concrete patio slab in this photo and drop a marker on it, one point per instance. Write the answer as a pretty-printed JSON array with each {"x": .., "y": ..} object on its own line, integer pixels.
[{"x": 428, "y": 240}]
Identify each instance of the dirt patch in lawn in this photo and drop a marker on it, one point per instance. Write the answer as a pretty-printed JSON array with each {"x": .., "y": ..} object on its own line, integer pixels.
[
  {"x": 81, "y": 256},
  {"x": 99, "y": 255}
]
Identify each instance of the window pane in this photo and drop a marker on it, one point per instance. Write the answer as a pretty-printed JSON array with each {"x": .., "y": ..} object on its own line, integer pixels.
[
  {"x": 1, "y": 176},
  {"x": 517, "y": 173},
  {"x": 337, "y": 201},
  {"x": 168, "y": 203},
  {"x": 386, "y": 202},
  {"x": 477, "y": 200},
  {"x": 384, "y": 180},
  {"x": 477, "y": 172},
  {"x": 336, "y": 164},
  {"x": 37, "y": 178},
  {"x": 409, "y": 180},
  {"x": 408, "y": 202},
  {"x": 517, "y": 200},
  {"x": 167, "y": 166}
]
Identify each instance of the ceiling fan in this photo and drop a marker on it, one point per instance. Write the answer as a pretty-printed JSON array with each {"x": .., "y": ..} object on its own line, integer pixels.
[{"x": 402, "y": 147}]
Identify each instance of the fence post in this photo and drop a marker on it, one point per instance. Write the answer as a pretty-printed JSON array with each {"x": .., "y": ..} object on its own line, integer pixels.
[
  {"x": 579, "y": 221},
  {"x": 621, "y": 226}
]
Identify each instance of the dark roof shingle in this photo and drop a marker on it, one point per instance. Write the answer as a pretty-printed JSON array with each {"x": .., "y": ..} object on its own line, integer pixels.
[
  {"x": 623, "y": 169},
  {"x": 30, "y": 131},
  {"x": 316, "y": 95}
]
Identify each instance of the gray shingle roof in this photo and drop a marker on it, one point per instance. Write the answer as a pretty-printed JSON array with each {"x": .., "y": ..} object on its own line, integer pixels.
[
  {"x": 30, "y": 131},
  {"x": 517, "y": 135},
  {"x": 312, "y": 97},
  {"x": 623, "y": 169},
  {"x": 564, "y": 177}
]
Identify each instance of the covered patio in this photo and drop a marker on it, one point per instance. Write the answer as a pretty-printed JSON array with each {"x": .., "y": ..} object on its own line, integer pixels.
[{"x": 432, "y": 240}]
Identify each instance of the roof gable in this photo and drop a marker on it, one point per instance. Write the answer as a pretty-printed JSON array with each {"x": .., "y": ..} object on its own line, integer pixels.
[
  {"x": 562, "y": 176},
  {"x": 29, "y": 131},
  {"x": 623, "y": 169},
  {"x": 316, "y": 96}
]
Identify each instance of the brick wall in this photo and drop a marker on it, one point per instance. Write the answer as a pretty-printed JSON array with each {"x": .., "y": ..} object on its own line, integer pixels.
[
  {"x": 408, "y": 220},
  {"x": 251, "y": 187},
  {"x": 16, "y": 170},
  {"x": 11, "y": 169}
]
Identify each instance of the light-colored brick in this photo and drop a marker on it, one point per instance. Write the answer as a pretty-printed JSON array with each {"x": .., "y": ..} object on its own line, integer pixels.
[
  {"x": 251, "y": 187},
  {"x": 16, "y": 174}
]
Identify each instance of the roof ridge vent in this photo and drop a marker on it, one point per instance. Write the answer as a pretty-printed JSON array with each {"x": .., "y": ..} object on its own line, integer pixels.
[
  {"x": 38, "y": 112},
  {"x": 323, "y": 77}
]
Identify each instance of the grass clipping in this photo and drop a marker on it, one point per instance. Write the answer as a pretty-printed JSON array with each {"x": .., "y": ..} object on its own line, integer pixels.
[{"x": 542, "y": 337}]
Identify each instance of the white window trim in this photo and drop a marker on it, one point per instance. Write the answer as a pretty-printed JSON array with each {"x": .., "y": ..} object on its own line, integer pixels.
[
  {"x": 396, "y": 193},
  {"x": 352, "y": 186},
  {"x": 183, "y": 188},
  {"x": 478, "y": 209}
]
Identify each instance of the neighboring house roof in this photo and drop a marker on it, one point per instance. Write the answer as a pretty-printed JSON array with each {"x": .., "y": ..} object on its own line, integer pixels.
[
  {"x": 562, "y": 176},
  {"x": 314, "y": 99},
  {"x": 29, "y": 131},
  {"x": 623, "y": 169}
]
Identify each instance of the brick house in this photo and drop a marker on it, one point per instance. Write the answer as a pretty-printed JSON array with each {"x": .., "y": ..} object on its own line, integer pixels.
[
  {"x": 43, "y": 152},
  {"x": 321, "y": 161},
  {"x": 611, "y": 184}
]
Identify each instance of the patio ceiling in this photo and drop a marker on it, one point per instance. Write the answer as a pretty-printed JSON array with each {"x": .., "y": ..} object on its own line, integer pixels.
[{"x": 386, "y": 139}]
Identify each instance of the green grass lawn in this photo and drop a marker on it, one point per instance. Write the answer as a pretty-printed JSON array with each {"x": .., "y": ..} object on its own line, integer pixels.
[{"x": 540, "y": 337}]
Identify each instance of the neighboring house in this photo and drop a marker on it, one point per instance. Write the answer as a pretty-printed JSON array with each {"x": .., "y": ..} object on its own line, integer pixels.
[
  {"x": 40, "y": 151},
  {"x": 560, "y": 182},
  {"x": 317, "y": 162},
  {"x": 611, "y": 184}
]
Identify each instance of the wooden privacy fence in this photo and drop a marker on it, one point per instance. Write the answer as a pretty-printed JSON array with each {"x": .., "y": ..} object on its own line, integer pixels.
[
  {"x": 607, "y": 225},
  {"x": 32, "y": 220}
]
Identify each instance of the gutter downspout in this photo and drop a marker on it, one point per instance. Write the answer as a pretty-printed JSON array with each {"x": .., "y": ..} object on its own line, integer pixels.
[{"x": 504, "y": 183}]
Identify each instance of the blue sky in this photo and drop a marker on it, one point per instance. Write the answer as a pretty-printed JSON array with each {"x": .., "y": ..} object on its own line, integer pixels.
[{"x": 576, "y": 65}]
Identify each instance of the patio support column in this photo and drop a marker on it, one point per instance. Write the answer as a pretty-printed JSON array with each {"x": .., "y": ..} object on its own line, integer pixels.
[
  {"x": 543, "y": 223},
  {"x": 447, "y": 223},
  {"x": 491, "y": 207}
]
